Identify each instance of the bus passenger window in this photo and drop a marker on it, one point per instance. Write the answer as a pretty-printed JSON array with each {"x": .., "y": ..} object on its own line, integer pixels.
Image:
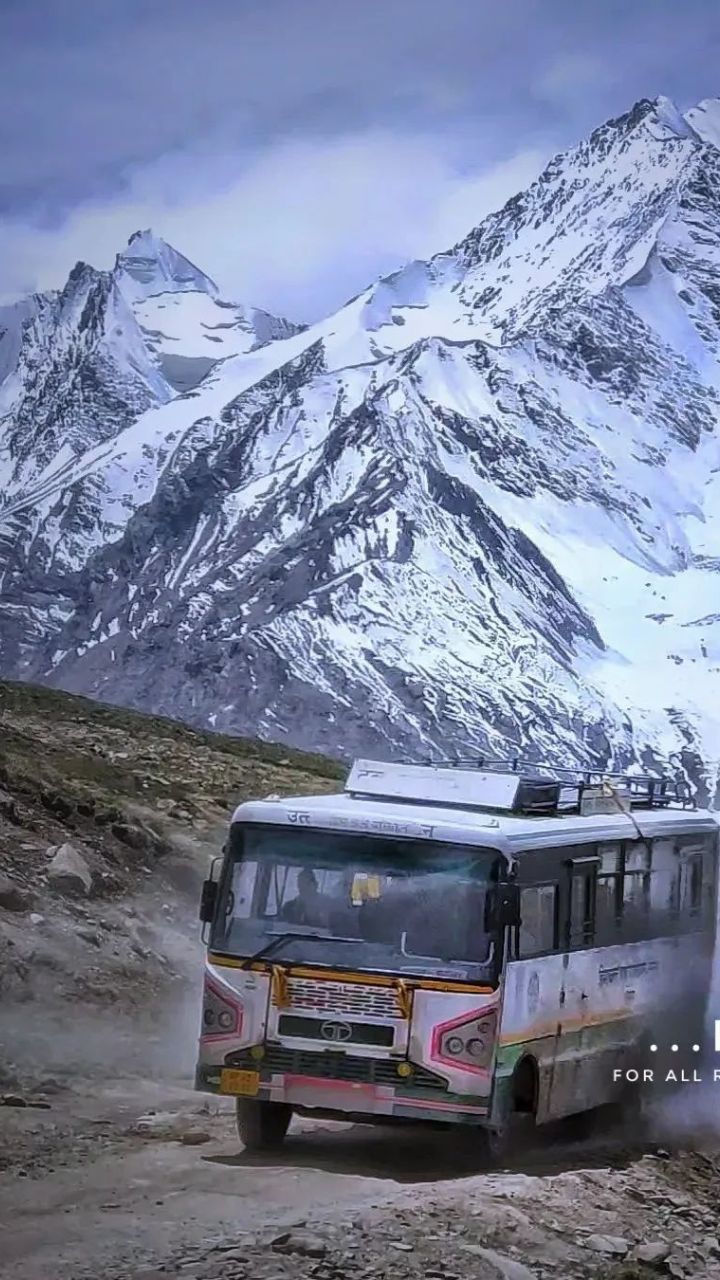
[
  {"x": 538, "y": 911},
  {"x": 636, "y": 882},
  {"x": 664, "y": 879},
  {"x": 691, "y": 878},
  {"x": 608, "y": 909},
  {"x": 582, "y": 910}
]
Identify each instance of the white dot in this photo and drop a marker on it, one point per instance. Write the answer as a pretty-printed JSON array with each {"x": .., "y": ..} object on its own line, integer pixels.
[
  {"x": 674, "y": 1048},
  {"x": 696, "y": 1048},
  {"x": 653, "y": 1048}
]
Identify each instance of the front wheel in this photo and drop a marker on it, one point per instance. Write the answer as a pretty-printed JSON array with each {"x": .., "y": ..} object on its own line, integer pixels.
[
  {"x": 515, "y": 1135},
  {"x": 262, "y": 1126}
]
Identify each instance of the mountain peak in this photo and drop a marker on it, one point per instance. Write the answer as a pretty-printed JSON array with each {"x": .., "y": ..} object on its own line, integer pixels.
[
  {"x": 149, "y": 265},
  {"x": 704, "y": 120},
  {"x": 669, "y": 115}
]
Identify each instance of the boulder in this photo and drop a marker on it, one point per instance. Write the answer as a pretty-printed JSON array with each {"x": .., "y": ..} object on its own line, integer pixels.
[
  {"x": 304, "y": 1243},
  {"x": 195, "y": 1137},
  {"x": 613, "y": 1245},
  {"x": 69, "y": 873},
  {"x": 133, "y": 836},
  {"x": 653, "y": 1252},
  {"x": 8, "y": 808},
  {"x": 12, "y": 897}
]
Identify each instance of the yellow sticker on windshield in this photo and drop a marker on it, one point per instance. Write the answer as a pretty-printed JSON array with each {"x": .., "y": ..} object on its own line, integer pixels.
[{"x": 364, "y": 887}]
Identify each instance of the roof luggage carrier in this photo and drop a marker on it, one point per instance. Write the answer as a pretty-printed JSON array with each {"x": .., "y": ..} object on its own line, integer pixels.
[{"x": 516, "y": 786}]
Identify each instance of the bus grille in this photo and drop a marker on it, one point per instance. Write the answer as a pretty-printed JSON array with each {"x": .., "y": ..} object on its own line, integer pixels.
[
  {"x": 334, "y": 1066},
  {"x": 343, "y": 998}
]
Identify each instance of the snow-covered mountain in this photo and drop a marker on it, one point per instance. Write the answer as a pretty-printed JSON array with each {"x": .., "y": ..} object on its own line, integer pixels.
[
  {"x": 478, "y": 505},
  {"x": 77, "y": 368}
]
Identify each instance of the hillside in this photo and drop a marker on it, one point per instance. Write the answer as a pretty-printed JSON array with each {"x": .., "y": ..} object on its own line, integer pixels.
[{"x": 145, "y": 804}]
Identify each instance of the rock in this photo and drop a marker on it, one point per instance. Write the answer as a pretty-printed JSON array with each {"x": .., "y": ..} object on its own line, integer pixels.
[
  {"x": 504, "y": 1267},
  {"x": 182, "y": 814},
  {"x": 162, "y": 1125},
  {"x": 134, "y": 837},
  {"x": 12, "y": 897},
  {"x": 402, "y": 1245},
  {"x": 652, "y": 1252},
  {"x": 8, "y": 808},
  {"x": 69, "y": 872},
  {"x": 303, "y": 1243},
  {"x": 36, "y": 919},
  {"x": 614, "y": 1245},
  {"x": 12, "y": 1100},
  {"x": 89, "y": 935},
  {"x": 195, "y": 1137}
]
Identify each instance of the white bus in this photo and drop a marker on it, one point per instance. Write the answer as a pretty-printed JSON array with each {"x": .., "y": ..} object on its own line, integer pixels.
[{"x": 455, "y": 945}]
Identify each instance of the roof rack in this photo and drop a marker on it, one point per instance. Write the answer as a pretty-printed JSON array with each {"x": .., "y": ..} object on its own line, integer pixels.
[{"x": 516, "y": 786}]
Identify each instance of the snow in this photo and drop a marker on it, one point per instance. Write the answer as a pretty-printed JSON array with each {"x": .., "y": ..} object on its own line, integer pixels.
[
  {"x": 655, "y": 299},
  {"x": 704, "y": 119},
  {"x": 669, "y": 117},
  {"x": 148, "y": 265}
]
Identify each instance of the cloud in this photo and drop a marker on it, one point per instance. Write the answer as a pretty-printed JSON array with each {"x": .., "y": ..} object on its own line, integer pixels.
[
  {"x": 298, "y": 150},
  {"x": 302, "y": 226},
  {"x": 572, "y": 74}
]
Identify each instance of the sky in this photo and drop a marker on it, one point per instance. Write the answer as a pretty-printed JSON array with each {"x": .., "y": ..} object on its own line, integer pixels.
[{"x": 297, "y": 149}]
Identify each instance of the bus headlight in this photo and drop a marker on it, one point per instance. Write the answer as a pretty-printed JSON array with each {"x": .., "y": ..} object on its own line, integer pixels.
[
  {"x": 469, "y": 1043},
  {"x": 220, "y": 1015}
]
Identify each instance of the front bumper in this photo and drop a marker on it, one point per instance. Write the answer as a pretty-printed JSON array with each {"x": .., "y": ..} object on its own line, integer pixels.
[{"x": 343, "y": 1084}]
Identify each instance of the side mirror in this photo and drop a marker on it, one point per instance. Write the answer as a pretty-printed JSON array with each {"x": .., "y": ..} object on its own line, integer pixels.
[
  {"x": 208, "y": 901},
  {"x": 504, "y": 907}
]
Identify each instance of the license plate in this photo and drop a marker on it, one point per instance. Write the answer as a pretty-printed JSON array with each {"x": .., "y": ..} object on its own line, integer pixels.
[{"x": 244, "y": 1083}]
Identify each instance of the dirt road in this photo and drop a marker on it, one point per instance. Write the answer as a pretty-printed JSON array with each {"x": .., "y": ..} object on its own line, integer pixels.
[
  {"x": 127, "y": 1174},
  {"x": 133, "y": 1179}
]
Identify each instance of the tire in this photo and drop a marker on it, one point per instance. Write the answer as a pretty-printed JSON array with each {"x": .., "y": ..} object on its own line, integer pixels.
[
  {"x": 262, "y": 1126},
  {"x": 513, "y": 1132},
  {"x": 511, "y": 1140},
  {"x": 514, "y": 1128}
]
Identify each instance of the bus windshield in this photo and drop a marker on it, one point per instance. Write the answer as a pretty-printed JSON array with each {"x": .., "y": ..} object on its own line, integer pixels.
[{"x": 368, "y": 902}]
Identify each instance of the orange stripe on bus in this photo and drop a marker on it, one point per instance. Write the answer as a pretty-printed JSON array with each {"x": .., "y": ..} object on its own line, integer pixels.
[{"x": 366, "y": 979}]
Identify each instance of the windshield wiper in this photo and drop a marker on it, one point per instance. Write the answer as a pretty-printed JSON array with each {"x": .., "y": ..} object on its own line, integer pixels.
[{"x": 283, "y": 937}]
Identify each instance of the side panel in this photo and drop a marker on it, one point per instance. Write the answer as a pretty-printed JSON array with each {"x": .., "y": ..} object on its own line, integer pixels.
[{"x": 579, "y": 1014}]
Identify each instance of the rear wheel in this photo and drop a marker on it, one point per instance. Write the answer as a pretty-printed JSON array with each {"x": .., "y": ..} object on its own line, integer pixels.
[{"x": 262, "y": 1126}]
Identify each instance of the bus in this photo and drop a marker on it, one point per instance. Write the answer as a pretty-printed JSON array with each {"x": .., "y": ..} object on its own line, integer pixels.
[{"x": 479, "y": 946}]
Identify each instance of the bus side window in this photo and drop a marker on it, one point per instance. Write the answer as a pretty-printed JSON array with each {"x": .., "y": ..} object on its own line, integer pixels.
[
  {"x": 608, "y": 911},
  {"x": 539, "y": 915},
  {"x": 636, "y": 883},
  {"x": 691, "y": 878},
  {"x": 664, "y": 879},
  {"x": 582, "y": 909},
  {"x": 710, "y": 870}
]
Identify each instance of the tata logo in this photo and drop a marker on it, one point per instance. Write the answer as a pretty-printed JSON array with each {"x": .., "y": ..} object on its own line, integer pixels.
[{"x": 336, "y": 1032}]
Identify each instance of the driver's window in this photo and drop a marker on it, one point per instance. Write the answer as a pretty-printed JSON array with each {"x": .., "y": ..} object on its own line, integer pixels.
[
  {"x": 243, "y": 885},
  {"x": 281, "y": 887}
]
